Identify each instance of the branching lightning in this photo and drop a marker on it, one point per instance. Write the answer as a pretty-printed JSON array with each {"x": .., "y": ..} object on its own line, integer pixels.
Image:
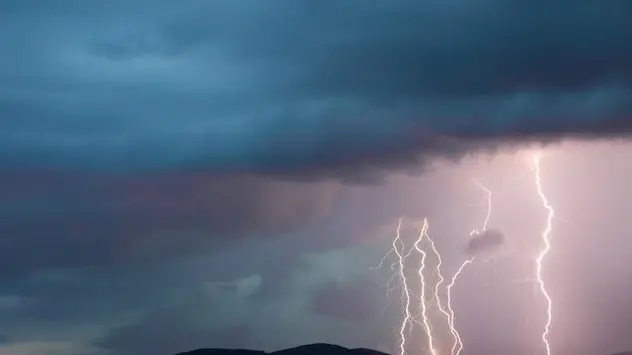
[
  {"x": 401, "y": 259},
  {"x": 489, "y": 208},
  {"x": 458, "y": 344},
  {"x": 423, "y": 318},
  {"x": 436, "y": 296},
  {"x": 424, "y": 311},
  {"x": 547, "y": 246}
]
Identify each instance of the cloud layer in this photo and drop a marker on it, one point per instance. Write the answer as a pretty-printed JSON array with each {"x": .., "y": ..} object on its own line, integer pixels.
[
  {"x": 70, "y": 220},
  {"x": 145, "y": 148},
  {"x": 227, "y": 87}
]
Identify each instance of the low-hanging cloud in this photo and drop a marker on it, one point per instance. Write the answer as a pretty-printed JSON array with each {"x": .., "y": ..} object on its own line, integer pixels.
[
  {"x": 80, "y": 220},
  {"x": 485, "y": 241},
  {"x": 227, "y": 87}
]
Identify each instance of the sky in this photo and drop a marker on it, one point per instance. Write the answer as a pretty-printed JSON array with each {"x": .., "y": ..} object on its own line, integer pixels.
[{"x": 177, "y": 175}]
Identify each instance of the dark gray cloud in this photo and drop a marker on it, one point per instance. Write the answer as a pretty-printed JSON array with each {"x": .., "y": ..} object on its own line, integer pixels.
[
  {"x": 231, "y": 313},
  {"x": 95, "y": 97},
  {"x": 78, "y": 220},
  {"x": 486, "y": 240},
  {"x": 226, "y": 86}
]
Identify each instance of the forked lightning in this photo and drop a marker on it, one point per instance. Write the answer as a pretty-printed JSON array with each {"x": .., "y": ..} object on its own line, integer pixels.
[
  {"x": 407, "y": 295},
  {"x": 446, "y": 309}
]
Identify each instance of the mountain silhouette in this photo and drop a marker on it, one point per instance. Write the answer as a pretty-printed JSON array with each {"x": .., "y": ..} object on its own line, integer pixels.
[{"x": 311, "y": 349}]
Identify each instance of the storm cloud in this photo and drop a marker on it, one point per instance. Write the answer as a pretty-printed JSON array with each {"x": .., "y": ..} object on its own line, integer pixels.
[
  {"x": 153, "y": 152},
  {"x": 78, "y": 220},
  {"x": 301, "y": 87},
  {"x": 487, "y": 240}
]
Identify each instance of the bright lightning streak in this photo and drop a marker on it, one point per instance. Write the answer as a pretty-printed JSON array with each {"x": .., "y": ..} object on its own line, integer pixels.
[
  {"x": 436, "y": 295},
  {"x": 547, "y": 246},
  {"x": 448, "y": 313},
  {"x": 398, "y": 248},
  {"x": 401, "y": 258},
  {"x": 391, "y": 285},
  {"x": 458, "y": 344},
  {"x": 489, "y": 208},
  {"x": 424, "y": 311}
]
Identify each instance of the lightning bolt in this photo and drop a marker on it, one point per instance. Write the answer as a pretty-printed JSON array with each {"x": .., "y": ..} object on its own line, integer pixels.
[
  {"x": 406, "y": 325},
  {"x": 436, "y": 297},
  {"x": 547, "y": 246},
  {"x": 422, "y": 280},
  {"x": 458, "y": 344},
  {"x": 398, "y": 248},
  {"x": 488, "y": 198},
  {"x": 401, "y": 258}
]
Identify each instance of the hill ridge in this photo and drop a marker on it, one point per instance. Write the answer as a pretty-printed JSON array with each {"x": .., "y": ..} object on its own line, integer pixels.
[{"x": 307, "y": 349}]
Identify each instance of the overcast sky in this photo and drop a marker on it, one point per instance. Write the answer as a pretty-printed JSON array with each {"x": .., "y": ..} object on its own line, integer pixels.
[{"x": 176, "y": 175}]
